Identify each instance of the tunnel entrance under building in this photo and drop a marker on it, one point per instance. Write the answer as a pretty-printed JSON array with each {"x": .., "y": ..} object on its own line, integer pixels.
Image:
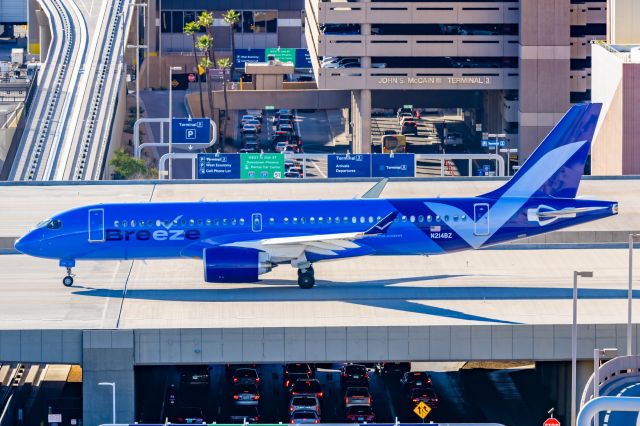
[{"x": 517, "y": 393}]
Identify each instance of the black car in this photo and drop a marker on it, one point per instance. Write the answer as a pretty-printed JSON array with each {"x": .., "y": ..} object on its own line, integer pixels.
[
  {"x": 292, "y": 378},
  {"x": 354, "y": 375},
  {"x": 409, "y": 128},
  {"x": 196, "y": 375},
  {"x": 307, "y": 387},
  {"x": 416, "y": 379},
  {"x": 393, "y": 368},
  {"x": 188, "y": 415},
  {"x": 242, "y": 413}
]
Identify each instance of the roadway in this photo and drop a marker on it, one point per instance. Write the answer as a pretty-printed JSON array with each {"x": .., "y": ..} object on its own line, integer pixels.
[
  {"x": 68, "y": 127},
  {"x": 475, "y": 287}
]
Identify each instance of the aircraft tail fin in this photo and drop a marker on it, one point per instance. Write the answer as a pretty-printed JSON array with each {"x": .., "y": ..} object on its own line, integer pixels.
[{"x": 557, "y": 165}]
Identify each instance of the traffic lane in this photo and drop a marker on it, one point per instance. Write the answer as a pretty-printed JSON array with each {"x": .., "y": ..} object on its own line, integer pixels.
[
  {"x": 315, "y": 132},
  {"x": 621, "y": 418}
]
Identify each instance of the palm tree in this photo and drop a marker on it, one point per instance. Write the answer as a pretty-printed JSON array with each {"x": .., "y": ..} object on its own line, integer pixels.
[
  {"x": 190, "y": 29},
  {"x": 232, "y": 18},
  {"x": 205, "y": 20},
  {"x": 224, "y": 64},
  {"x": 203, "y": 44}
]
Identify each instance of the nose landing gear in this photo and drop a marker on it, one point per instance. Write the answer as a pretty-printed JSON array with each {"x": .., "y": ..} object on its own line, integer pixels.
[{"x": 68, "y": 264}]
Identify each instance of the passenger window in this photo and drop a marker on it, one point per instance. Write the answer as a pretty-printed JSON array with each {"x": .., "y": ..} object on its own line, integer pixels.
[
  {"x": 302, "y": 220},
  {"x": 192, "y": 222},
  {"x": 354, "y": 219},
  {"x": 312, "y": 220},
  {"x": 241, "y": 221},
  {"x": 286, "y": 220},
  {"x": 378, "y": 218},
  {"x": 404, "y": 218},
  {"x": 412, "y": 219},
  {"x": 216, "y": 222},
  {"x": 337, "y": 219},
  {"x": 370, "y": 219},
  {"x": 455, "y": 218},
  {"x": 200, "y": 222},
  {"x": 208, "y": 222},
  {"x": 345, "y": 219},
  {"x": 295, "y": 220},
  {"x": 437, "y": 218},
  {"x": 329, "y": 219},
  {"x": 116, "y": 223},
  {"x": 158, "y": 223},
  {"x": 225, "y": 222},
  {"x": 420, "y": 218},
  {"x": 133, "y": 223},
  {"x": 141, "y": 223},
  {"x": 183, "y": 222},
  {"x": 428, "y": 218},
  {"x": 464, "y": 217},
  {"x": 125, "y": 223},
  {"x": 446, "y": 218},
  {"x": 233, "y": 221},
  {"x": 361, "y": 219},
  {"x": 272, "y": 220},
  {"x": 320, "y": 220}
]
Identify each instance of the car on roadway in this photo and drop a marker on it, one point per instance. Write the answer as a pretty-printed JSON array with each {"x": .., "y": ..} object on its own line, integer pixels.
[
  {"x": 246, "y": 394},
  {"x": 453, "y": 139},
  {"x": 280, "y": 112},
  {"x": 292, "y": 175},
  {"x": 280, "y": 146},
  {"x": 188, "y": 416},
  {"x": 343, "y": 63},
  {"x": 357, "y": 396},
  {"x": 354, "y": 375},
  {"x": 285, "y": 127},
  {"x": 245, "y": 376},
  {"x": 255, "y": 123},
  {"x": 242, "y": 413},
  {"x": 302, "y": 417},
  {"x": 403, "y": 115},
  {"x": 360, "y": 414},
  {"x": 292, "y": 378},
  {"x": 250, "y": 129},
  {"x": 291, "y": 149},
  {"x": 246, "y": 118},
  {"x": 416, "y": 379},
  {"x": 409, "y": 128},
  {"x": 426, "y": 395},
  {"x": 307, "y": 387},
  {"x": 304, "y": 402},
  {"x": 195, "y": 375}
]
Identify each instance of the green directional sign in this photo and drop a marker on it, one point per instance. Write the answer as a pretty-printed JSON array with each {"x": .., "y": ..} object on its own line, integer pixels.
[
  {"x": 261, "y": 166},
  {"x": 283, "y": 55}
]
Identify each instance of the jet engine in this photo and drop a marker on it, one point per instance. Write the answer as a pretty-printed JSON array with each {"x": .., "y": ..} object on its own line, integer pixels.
[{"x": 234, "y": 264}]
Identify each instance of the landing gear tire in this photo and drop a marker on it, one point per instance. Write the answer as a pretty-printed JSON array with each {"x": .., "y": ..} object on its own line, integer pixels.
[
  {"x": 306, "y": 280},
  {"x": 67, "y": 281}
]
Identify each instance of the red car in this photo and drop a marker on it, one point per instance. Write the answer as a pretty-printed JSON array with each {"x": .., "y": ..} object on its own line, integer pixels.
[{"x": 360, "y": 413}]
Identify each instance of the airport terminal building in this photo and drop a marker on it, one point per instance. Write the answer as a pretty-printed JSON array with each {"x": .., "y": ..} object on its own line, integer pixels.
[{"x": 518, "y": 64}]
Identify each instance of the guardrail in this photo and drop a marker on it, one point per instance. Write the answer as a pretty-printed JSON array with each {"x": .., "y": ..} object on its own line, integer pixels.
[
  {"x": 320, "y": 424},
  {"x": 616, "y": 369}
]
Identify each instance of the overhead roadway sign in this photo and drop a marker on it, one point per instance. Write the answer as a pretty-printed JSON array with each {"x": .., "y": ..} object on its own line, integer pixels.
[
  {"x": 492, "y": 143},
  {"x": 261, "y": 166},
  {"x": 218, "y": 166},
  {"x": 349, "y": 165},
  {"x": 281, "y": 54},
  {"x": 422, "y": 410},
  {"x": 191, "y": 131},
  {"x": 396, "y": 165}
]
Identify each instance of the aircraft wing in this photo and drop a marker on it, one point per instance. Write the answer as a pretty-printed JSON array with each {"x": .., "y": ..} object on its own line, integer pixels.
[{"x": 284, "y": 248}]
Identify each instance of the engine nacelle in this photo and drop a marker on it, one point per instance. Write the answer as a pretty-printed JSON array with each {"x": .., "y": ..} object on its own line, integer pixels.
[{"x": 234, "y": 264}]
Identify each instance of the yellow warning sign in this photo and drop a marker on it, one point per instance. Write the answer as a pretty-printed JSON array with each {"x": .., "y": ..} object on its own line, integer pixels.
[
  {"x": 422, "y": 410},
  {"x": 175, "y": 83}
]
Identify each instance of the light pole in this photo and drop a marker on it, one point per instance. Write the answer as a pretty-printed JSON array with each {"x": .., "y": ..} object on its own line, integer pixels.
[
  {"x": 630, "y": 296},
  {"x": 574, "y": 341},
  {"x": 113, "y": 394},
  {"x": 597, "y": 354},
  {"x": 171, "y": 70},
  {"x": 137, "y": 47},
  {"x": 509, "y": 151}
]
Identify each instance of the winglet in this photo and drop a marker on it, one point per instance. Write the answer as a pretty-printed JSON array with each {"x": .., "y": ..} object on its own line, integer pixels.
[
  {"x": 383, "y": 225},
  {"x": 376, "y": 189}
]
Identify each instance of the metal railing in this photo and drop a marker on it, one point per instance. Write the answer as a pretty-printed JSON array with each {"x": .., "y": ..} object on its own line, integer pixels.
[{"x": 617, "y": 369}]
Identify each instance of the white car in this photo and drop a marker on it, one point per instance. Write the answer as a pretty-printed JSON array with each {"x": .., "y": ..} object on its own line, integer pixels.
[
  {"x": 255, "y": 123},
  {"x": 453, "y": 139},
  {"x": 257, "y": 113},
  {"x": 245, "y": 119},
  {"x": 357, "y": 396},
  {"x": 281, "y": 146},
  {"x": 404, "y": 115},
  {"x": 406, "y": 119},
  {"x": 249, "y": 129}
]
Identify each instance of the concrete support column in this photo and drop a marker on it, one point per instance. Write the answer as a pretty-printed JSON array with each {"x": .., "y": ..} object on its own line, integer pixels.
[
  {"x": 33, "y": 35},
  {"x": 44, "y": 35},
  {"x": 361, "y": 118},
  {"x": 544, "y": 69},
  {"x": 107, "y": 356}
]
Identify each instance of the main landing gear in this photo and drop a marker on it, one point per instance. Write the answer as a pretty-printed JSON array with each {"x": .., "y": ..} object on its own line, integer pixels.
[{"x": 306, "y": 279}]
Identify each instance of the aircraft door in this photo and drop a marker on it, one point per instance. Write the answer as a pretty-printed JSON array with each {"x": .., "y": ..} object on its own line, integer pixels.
[
  {"x": 256, "y": 222},
  {"x": 481, "y": 219},
  {"x": 96, "y": 225}
]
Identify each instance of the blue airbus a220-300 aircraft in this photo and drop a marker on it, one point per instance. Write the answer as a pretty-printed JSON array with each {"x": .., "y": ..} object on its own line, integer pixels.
[{"x": 238, "y": 241}]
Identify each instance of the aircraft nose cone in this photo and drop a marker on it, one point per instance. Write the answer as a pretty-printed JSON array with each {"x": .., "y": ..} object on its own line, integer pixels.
[{"x": 26, "y": 245}]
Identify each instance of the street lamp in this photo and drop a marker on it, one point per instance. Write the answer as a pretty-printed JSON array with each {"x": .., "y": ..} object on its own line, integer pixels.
[
  {"x": 171, "y": 70},
  {"x": 509, "y": 151},
  {"x": 113, "y": 393},
  {"x": 630, "y": 296},
  {"x": 574, "y": 341},
  {"x": 606, "y": 353}
]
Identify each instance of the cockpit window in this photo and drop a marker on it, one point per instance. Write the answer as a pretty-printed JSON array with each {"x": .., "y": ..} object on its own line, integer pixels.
[
  {"x": 54, "y": 224},
  {"x": 43, "y": 223}
]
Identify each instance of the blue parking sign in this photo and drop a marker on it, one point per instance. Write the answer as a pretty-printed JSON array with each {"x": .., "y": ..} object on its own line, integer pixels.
[
  {"x": 218, "y": 166},
  {"x": 191, "y": 130}
]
